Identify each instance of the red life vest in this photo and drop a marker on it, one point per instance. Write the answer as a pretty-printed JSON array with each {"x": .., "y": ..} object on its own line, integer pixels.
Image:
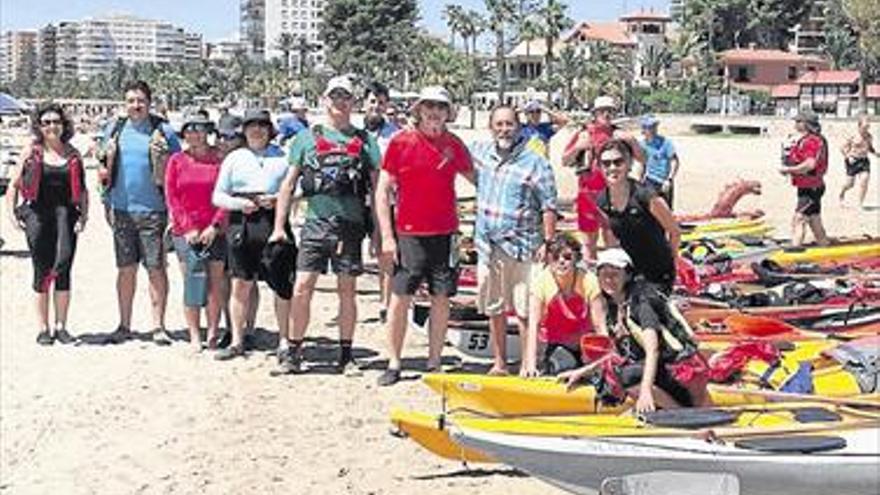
[
  {"x": 32, "y": 173},
  {"x": 566, "y": 318},
  {"x": 810, "y": 146}
]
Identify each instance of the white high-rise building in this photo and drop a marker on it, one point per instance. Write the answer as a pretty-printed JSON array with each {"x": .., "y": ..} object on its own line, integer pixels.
[
  {"x": 264, "y": 21},
  {"x": 92, "y": 46}
]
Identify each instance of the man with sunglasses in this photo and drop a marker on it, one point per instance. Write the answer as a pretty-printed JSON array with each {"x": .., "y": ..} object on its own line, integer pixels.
[
  {"x": 134, "y": 154},
  {"x": 336, "y": 166},
  {"x": 421, "y": 166},
  {"x": 516, "y": 215}
]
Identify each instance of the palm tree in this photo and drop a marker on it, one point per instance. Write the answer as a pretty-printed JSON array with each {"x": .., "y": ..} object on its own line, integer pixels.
[
  {"x": 455, "y": 18},
  {"x": 303, "y": 50},
  {"x": 286, "y": 43},
  {"x": 570, "y": 69},
  {"x": 554, "y": 22},
  {"x": 530, "y": 29},
  {"x": 501, "y": 14},
  {"x": 655, "y": 61}
]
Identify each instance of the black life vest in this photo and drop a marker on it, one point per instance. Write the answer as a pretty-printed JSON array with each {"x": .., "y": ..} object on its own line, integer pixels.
[{"x": 340, "y": 169}]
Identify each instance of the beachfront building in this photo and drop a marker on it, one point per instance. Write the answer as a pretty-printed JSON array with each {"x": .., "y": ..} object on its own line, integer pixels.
[
  {"x": 828, "y": 93},
  {"x": 47, "y": 50},
  {"x": 264, "y": 21},
  {"x": 648, "y": 29},
  {"x": 755, "y": 69},
  {"x": 18, "y": 55},
  {"x": 93, "y": 46}
]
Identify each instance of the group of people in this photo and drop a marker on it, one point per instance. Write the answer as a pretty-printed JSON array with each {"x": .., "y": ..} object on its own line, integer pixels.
[{"x": 228, "y": 192}]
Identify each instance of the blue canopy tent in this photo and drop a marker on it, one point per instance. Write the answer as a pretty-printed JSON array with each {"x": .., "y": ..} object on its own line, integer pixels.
[{"x": 11, "y": 106}]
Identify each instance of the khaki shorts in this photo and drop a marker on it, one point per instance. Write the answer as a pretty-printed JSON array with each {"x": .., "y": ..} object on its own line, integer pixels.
[{"x": 503, "y": 284}]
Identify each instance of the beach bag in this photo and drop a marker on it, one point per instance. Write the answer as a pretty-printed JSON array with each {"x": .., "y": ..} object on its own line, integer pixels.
[{"x": 195, "y": 282}]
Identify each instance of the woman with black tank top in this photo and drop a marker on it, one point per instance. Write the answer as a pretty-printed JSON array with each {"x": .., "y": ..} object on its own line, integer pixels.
[
  {"x": 54, "y": 208},
  {"x": 639, "y": 220}
]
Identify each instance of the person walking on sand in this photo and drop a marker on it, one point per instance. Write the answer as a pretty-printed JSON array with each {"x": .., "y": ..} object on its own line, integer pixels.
[
  {"x": 196, "y": 224},
  {"x": 516, "y": 217},
  {"x": 51, "y": 182},
  {"x": 661, "y": 160},
  {"x": 132, "y": 160},
  {"x": 336, "y": 166},
  {"x": 421, "y": 165},
  {"x": 582, "y": 153},
  {"x": 806, "y": 163},
  {"x": 247, "y": 187},
  {"x": 855, "y": 155}
]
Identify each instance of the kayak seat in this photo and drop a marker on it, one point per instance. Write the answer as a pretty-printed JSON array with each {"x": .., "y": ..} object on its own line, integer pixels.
[
  {"x": 797, "y": 444},
  {"x": 689, "y": 418},
  {"x": 816, "y": 415}
]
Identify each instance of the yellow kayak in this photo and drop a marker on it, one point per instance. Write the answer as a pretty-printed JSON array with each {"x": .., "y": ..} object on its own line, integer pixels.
[
  {"x": 431, "y": 431},
  {"x": 757, "y": 230},
  {"x": 852, "y": 251},
  {"x": 721, "y": 224}
]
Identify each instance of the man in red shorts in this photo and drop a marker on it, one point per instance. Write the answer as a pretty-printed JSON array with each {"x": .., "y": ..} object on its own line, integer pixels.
[
  {"x": 421, "y": 164},
  {"x": 581, "y": 152}
]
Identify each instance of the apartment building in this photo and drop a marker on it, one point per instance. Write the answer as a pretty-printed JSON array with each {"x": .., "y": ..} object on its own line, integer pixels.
[
  {"x": 18, "y": 55},
  {"x": 264, "y": 21}
]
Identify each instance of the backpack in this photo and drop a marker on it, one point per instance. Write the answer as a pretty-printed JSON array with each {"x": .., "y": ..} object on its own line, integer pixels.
[
  {"x": 340, "y": 169},
  {"x": 159, "y": 150}
]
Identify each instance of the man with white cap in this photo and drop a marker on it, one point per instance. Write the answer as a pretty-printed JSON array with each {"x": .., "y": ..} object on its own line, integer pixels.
[
  {"x": 535, "y": 128},
  {"x": 421, "y": 166},
  {"x": 661, "y": 159},
  {"x": 336, "y": 166},
  {"x": 582, "y": 152}
]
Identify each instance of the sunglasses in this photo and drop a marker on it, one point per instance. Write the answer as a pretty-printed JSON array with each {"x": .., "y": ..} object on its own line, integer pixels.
[
  {"x": 206, "y": 128},
  {"x": 48, "y": 122},
  {"x": 338, "y": 94},
  {"x": 617, "y": 162},
  {"x": 567, "y": 256},
  {"x": 435, "y": 104}
]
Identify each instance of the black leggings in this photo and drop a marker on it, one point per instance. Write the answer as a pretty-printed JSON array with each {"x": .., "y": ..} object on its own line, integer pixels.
[{"x": 52, "y": 243}]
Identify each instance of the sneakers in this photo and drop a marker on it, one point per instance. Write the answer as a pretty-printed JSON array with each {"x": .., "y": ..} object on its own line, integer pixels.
[
  {"x": 349, "y": 369},
  {"x": 228, "y": 353},
  {"x": 63, "y": 336},
  {"x": 161, "y": 337},
  {"x": 118, "y": 336},
  {"x": 289, "y": 362},
  {"x": 388, "y": 377},
  {"x": 45, "y": 338}
]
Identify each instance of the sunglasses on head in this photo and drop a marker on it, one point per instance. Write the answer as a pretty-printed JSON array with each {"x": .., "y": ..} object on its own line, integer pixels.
[{"x": 616, "y": 162}]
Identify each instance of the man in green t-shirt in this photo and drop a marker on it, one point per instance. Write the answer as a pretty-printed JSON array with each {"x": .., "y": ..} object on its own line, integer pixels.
[{"x": 336, "y": 166}]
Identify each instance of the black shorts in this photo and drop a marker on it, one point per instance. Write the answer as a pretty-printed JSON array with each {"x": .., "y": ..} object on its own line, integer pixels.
[
  {"x": 857, "y": 166},
  {"x": 247, "y": 240},
  {"x": 431, "y": 259},
  {"x": 631, "y": 375},
  {"x": 139, "y": 237},
  {"x": 334, "y": 242},
  {"x": 809, "y": 200}
]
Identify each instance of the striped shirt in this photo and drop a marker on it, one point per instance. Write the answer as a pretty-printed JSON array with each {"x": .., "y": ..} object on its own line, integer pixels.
[{"x": 512, "y": 195}]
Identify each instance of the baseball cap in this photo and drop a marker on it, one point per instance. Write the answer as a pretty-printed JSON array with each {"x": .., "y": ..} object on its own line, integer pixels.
[
  {"x": 339, "y": 82},
  {"x": 604, "y": 102},
  {"x": 649, "y": 120},
  {"x": 434, "y": 93},
  {"x": 615, "y": 257}
]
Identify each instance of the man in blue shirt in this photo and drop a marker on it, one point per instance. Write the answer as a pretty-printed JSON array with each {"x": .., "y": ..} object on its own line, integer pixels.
[
  {"x": 661, "y": 160},
  {"x": 516, "y": 215},
  {"x": 132, "y": 173},
  {"x": 535, "y": 128},
  {"x": 291, "y": 122}
]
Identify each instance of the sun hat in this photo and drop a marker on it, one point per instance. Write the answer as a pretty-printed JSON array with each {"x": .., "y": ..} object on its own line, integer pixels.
[
  {"x": 339, "y": 82},
  {"x": 615, "y": 257},
  {"x": 229, "y": 126},
  {"x": 809, "y": 118},
  {"x": 256, "y": 115},
  {"x": 434, "y": 93},
  {"x": 649, "y": 121},
  {"x": 196, "y": 119},
  {"x": 604, "y": 102}
]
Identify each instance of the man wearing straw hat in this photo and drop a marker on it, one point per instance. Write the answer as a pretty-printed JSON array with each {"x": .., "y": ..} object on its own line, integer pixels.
[{"x": 421, "y": 165}]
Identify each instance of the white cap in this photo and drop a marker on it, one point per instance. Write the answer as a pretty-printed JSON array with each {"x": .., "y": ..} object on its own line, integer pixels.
[
  {"x": 297, "y": 103},
  {"x": 434, "y": 93},
  {"x": 615, "y": 257},
  {"x": 604, "y": 102},
  {"x": 339, "y": 82}
]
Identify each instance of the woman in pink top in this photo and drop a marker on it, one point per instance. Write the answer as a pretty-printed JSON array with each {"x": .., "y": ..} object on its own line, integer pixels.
[{"x": 195, "y": 222}]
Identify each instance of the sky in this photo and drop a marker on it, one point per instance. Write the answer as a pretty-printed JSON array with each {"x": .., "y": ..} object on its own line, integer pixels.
[{"x": 218, "y": 19}]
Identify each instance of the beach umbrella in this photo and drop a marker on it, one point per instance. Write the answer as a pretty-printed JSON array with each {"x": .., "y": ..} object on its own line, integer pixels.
[{"x": 11, "y": 106}]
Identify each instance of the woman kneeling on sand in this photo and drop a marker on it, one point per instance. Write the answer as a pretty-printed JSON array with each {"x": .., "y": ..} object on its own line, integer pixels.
[
  {"x": 51, "y": 181},
  {"x": 656, "y": 361}
]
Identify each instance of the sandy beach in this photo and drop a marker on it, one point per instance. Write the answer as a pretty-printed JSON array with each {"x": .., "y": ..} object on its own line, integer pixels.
[{"x": 137, "y": 418}]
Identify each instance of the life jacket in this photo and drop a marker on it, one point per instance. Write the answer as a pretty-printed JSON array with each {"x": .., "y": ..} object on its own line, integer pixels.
[
  {"x": 159, "y": 151},
  {"x": 340, "y": 169},
  {"x": 567, "y": 317},
  {"x": 676, "y": 336},
  {"x": 32, "y": 174},
  {"x": 813, "y": 178}
]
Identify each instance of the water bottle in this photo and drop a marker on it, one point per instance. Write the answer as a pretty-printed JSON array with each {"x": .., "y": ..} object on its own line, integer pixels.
[{"x": 195, "y": 283}]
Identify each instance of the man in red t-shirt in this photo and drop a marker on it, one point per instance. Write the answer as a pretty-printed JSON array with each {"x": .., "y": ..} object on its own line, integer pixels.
[
  {"x": 806, "y": 163},
  {"x": 421, "y": 165},
  {"x": 581, "y": 152}
]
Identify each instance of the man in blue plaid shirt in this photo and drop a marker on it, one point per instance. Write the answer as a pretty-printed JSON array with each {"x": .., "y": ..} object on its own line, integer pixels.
[{"x": 516, "y": 214}]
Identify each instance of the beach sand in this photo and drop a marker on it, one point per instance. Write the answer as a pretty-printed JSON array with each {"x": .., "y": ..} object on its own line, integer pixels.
[{"x": 137, "y": 418}]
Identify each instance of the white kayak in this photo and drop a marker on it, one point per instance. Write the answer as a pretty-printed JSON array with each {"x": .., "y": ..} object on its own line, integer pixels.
[{"x": 684, "y": 466}]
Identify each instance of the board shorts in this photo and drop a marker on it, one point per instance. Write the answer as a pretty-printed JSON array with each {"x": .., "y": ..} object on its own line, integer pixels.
[
  {"x": 431, "y": 259},
  {"x": 139, "y": 237},
  {"x": 809, "y": 200},
  {"x": 856, "y": 166},
  {"x": 503, "y": 284},
  {"x": 334, "y": 242}
]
